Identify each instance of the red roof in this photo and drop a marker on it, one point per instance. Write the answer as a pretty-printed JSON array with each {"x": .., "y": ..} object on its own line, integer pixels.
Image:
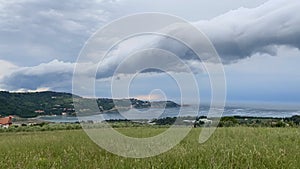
[{"x": 6, "y": 120}]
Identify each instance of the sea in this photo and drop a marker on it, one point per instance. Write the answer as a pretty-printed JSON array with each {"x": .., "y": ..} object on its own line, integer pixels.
[{"x": 184, "y": 111}]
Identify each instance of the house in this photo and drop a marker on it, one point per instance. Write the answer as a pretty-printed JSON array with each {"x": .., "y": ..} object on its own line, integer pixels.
[
  {"x": 5, "y": 122},
  {"x": 205, "y": 121},
  {"x": 39, "y": 111}
]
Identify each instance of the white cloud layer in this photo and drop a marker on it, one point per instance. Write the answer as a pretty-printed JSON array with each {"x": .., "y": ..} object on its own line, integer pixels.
[
  {"x": 6, "y": 68},
  {"x": 55, "y": 75}
]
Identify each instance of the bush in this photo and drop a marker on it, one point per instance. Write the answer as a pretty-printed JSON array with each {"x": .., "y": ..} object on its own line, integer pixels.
[{"x": 228, "y": 122}]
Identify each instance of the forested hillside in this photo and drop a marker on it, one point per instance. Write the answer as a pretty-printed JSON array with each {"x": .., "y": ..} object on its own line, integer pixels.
[
  {"x": 33, "y": 104},
  {"x": 55, "y": 103}
]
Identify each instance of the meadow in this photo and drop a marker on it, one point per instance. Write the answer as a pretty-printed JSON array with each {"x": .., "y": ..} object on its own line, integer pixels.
[{"x": 232, "y": 147}]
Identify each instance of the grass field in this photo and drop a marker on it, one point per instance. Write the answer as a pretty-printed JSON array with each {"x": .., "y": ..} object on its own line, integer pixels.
[{"x": 237, "y": 147}]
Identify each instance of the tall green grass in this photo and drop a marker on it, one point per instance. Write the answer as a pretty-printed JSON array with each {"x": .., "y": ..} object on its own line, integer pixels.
[{"x": 228, "y": 148}]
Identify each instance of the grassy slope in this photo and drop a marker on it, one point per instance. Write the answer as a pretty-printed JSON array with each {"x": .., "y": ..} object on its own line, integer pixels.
[{"x": 228, "y": 148}]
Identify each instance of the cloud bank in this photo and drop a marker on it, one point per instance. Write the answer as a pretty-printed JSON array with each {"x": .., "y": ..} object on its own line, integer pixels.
[
  {"x": 236, "y": 35},
  {"x": 55, "y": 75}
]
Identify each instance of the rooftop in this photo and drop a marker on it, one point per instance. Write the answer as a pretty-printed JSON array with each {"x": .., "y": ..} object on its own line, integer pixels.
[{"x": 6, "y": 120}]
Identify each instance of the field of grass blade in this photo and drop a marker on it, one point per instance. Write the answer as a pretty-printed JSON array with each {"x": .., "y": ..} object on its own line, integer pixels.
[{"x": 236, "y": 147}]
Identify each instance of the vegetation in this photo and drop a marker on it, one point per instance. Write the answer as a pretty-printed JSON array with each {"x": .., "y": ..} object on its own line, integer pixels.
[
  {"x": 259, "y": 121},
  {"x": 233, "y": 121},
  {"x": 237, "y": 147},
  {"x": 28, "y": 105},
  {"x": 41, "y": 127},
  {"x": 29, "y": 126},
  {"x": 34, "y": 104}
]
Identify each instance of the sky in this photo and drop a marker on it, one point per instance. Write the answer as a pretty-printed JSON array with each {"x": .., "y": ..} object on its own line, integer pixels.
[{"x": 258, "y": 42}]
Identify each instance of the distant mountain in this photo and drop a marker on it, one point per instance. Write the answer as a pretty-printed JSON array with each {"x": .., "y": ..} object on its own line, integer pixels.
[{"x": 55, "y": 103}]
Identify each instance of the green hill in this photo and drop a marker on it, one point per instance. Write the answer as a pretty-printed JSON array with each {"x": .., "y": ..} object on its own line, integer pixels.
[
  {"x": 55, "y": 103},
  {"x": 34, "y": 104}
]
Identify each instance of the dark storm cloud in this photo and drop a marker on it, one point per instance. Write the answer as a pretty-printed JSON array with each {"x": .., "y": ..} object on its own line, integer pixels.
[{"x": 235, "y": 35}]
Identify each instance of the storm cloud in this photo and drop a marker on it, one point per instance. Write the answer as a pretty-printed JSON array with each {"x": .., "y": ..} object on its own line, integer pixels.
[
  {"x": 235, "y": 35},
  {"x": 244, "y": 32}
]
